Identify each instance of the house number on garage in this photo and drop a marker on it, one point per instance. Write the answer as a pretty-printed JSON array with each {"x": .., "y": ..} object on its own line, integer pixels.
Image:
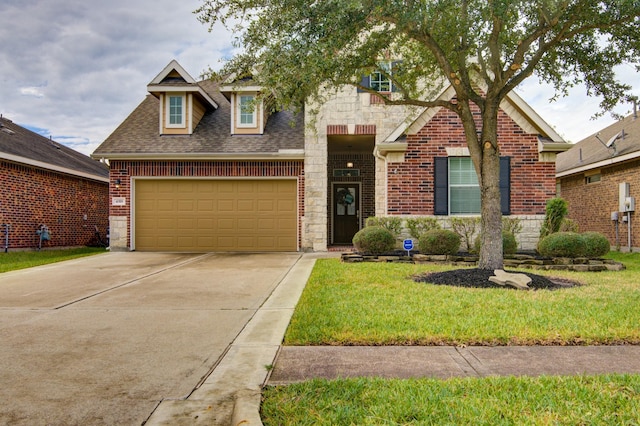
[{"x": 118, "y": 201}]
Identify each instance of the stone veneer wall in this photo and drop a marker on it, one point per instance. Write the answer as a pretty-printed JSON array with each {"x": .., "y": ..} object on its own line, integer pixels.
[
  {"x": 344, "y": 107},
  {"x": 527, "y": 239},
  {"x": 70, "y": 206}
]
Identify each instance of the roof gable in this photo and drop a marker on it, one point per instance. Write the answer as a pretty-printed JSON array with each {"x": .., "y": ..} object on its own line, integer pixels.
[
  {"x": 592, "y": 152},
  {"x": 20, "y": 145},
  {"x": 513, "y": 105},
  {"x": 174, "y": 78}
]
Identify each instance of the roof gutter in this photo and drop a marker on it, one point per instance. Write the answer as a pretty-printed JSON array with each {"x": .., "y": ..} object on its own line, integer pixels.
[
  {"x": 283, "y": 154},
  {"x": 598, "y": 164},
  {"x": 47, "y": 166}
]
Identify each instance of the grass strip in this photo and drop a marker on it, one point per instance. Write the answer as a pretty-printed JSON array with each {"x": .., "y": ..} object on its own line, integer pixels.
[
  {"x": 14, "y": 260},
  {"x": 547, "y": 400}
]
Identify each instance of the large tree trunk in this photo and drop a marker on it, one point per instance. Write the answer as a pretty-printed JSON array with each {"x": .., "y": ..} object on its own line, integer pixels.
[{"x": 491, "y": 256}]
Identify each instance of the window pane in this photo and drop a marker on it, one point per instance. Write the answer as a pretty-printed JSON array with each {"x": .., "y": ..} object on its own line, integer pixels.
[
  {"x": 464, "y": 192},
  {"x": 378, "y": 81},
  {"x": 464, "y": 200},
  {"x": 246, "y": 109},
  {"x": 175, "y": 110}
]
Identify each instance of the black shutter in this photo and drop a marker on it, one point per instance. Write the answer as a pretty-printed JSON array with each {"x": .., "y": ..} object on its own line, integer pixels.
[
  {"x": 505, "y": 185},
  {"x": 365, "y": 82},
  {"x": 441, "y": 186}
]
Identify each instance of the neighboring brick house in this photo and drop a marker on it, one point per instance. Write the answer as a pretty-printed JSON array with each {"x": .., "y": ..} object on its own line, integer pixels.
[
  {"x": 46, "y": 183},
  {"x": 204, "y": 166},
  {"x": 590, "y": 175}
]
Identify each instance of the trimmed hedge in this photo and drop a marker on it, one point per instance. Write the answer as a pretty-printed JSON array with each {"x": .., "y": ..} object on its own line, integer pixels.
[
  {"x": 562, "y": 244},
  {"x": 509, "y": 243},
  {"x": 439, "y": 241},
  {"x": 597, "y": 245},
  {"x": 374, "y": 240}
]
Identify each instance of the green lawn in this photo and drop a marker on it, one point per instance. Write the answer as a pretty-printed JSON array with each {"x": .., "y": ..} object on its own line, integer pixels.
[
  {"x": 14, "y": 260},
  {"x": 379, "y": 304},
  {"x": 578, "y": 400}
]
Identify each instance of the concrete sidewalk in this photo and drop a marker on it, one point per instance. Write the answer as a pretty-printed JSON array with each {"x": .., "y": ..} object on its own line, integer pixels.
[{"x": 298, "y": 363}]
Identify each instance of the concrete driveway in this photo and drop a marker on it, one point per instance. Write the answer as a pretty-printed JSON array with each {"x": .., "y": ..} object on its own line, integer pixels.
[{"x": 105, "y": 339}]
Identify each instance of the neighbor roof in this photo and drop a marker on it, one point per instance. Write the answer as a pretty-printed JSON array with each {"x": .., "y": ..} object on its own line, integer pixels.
[
  {"x": 138, "y": 136},
  {"x": 591, "y": 153},
  {"x": 20, "y": 145}
]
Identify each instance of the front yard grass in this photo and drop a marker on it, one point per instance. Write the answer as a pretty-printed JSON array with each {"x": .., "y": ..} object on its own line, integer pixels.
[
  {"x": 576, "y": 400},
  {"x": 380, "y": 304},
  {"x": 14, "y": 260}
]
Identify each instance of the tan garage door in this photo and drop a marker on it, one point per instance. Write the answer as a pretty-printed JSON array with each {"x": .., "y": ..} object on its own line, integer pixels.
[{"x": 215, "y": 215}]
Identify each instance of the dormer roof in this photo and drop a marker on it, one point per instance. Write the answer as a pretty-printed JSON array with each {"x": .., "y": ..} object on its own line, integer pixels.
[{"x": 174, "y": 78}]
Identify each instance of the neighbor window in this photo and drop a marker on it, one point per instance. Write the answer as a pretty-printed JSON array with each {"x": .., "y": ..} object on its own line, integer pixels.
[
  {"x": 464, "y": 191},
  {"x": 175, "y": 111},
  {"x": 593, "y": 178},
  {"x": 246, "y": 111}
]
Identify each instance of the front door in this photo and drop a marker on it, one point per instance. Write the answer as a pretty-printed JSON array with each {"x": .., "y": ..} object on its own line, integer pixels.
[{"x": 346, "y": 212}]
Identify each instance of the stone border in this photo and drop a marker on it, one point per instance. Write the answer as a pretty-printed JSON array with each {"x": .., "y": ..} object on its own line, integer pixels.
[{"x": 524, "y": 261}]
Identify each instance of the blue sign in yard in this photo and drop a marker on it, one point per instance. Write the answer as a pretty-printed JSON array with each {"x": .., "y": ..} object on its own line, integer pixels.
[{"x": 408, "y": 244}]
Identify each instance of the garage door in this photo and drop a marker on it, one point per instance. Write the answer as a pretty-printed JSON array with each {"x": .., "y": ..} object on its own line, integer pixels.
[{"x": 215, "y": 215}]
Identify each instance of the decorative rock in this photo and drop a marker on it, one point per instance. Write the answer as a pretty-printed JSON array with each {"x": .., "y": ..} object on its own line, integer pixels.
[
  {"x": 388, "y": 258},
  {"x": 519, "y": 281}
]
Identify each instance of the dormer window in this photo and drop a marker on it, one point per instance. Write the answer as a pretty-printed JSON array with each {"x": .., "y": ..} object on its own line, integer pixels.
[
  {"x": 176, "y": 110},
  {"x": 246, "y": 111}
]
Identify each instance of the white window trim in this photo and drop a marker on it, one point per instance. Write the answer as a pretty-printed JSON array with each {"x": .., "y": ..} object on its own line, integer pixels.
[
  {"x": 252, "y": 125},
  {"x": 182, "y": 124}
]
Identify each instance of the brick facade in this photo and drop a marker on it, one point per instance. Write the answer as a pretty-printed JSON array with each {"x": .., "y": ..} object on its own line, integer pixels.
[
  {"x": 69, "y": 206},
  {"x": 602, "y": 201},
  {"x": 411, "y": 183},
  {"x": 120, "y": 216}
]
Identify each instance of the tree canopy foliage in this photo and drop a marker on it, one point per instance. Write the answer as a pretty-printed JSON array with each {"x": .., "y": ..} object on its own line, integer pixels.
[{"x": 483, "y": 48}]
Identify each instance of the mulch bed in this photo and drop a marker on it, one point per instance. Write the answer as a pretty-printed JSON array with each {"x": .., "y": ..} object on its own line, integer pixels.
[{"x": 479, "y": 278}]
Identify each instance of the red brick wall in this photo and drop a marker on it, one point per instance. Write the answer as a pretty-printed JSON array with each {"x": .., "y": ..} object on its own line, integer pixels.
[
  {"x": 30, "y": 197},
  {"x": 124, "y": 170},
  {"x": 411, "y": 183},
  {"x": 590, "y": 205}
]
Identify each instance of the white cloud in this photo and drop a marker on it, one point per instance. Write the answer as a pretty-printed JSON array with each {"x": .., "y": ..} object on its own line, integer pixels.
[{"x": 77, "y": 68}]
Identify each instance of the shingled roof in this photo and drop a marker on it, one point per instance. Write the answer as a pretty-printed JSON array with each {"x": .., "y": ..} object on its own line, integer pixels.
[
  {"x": 591, "y": 153},
  {"x": 138, "y": 135},
  {"x": 20, "y": 145}
]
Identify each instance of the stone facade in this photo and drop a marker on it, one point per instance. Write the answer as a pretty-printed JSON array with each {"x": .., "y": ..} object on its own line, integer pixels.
[{"x": 70, "y": 206}]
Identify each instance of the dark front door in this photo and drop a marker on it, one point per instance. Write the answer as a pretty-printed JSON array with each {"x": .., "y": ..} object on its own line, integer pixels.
[{"x": 346, "y": 212}]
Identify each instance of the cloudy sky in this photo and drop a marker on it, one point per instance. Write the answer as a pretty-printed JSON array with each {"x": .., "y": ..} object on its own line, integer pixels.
[{"x": 74, "y": 69}]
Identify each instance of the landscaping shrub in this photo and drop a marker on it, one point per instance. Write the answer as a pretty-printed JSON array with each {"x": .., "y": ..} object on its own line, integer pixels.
[
  {"x": 569, "y": 225},
  {"x": 465, "y": 227},
  {"x": 512, "y": 225},
  {"x": 439, "y": 241},
  {"x": 555, "y": 212},
  {"x": 562, "y": 244},
  {"x": 596, "y": 244},
  {"x": 391, "y": 224},
  {"x": 509, "y": 243},
  {"x": 374, "y": 240},
  {"x": 418, "y": 226}
]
